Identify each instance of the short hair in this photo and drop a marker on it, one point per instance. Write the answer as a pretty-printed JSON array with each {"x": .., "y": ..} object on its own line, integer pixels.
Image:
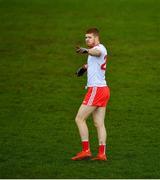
[{"x": 95, "y": 31}]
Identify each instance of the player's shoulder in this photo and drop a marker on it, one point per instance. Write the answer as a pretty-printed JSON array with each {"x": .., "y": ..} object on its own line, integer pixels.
[{"x": 102, "y": 48}]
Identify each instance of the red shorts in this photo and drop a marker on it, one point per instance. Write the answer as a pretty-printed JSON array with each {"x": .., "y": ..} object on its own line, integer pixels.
[{"x": 97, "y": 96}]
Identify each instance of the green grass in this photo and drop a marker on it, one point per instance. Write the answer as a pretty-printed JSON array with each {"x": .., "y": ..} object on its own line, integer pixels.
[{"x": 40, "y": 96}]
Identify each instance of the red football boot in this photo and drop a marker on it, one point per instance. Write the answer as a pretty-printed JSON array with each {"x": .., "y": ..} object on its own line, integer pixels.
[
  {"x": 82, "y": 155},
  {"x": 100, "y": 157}
]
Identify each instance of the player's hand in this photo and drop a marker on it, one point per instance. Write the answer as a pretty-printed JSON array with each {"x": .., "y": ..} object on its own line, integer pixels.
[
  {"x": 81, "y": 71},
  {"x": 81, "y": 50}
]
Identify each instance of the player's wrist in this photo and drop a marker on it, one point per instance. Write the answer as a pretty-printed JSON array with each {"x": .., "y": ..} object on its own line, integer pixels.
[
  {"x": 85, "y": 66},
  {"x": 81, "y": 50},
  {"x": 84, "y": 50}
]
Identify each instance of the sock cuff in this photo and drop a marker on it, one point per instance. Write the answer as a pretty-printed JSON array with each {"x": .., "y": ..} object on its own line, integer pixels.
[{"x": 85, "y": 140}]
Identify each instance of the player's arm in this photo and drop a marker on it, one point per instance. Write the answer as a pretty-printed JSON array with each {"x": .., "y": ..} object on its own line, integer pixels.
[{"x": 92, "y": 51}]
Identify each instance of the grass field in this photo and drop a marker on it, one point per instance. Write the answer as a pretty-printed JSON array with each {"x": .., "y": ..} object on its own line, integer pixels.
[{"x": 40, "y": 95}]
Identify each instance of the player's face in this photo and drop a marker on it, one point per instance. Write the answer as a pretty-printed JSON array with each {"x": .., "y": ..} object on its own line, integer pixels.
[{"x": 90, "y": 40}]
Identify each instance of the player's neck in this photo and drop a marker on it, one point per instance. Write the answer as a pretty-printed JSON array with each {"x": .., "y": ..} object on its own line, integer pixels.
[{"x": 97, "y": 43}]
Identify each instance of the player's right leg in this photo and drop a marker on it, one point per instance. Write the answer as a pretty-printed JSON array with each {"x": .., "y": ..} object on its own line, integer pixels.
[{"x": 83, "y": 113}]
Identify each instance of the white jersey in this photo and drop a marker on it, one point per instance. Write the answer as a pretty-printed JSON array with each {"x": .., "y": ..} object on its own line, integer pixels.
[{"x": 96, "y": 68}]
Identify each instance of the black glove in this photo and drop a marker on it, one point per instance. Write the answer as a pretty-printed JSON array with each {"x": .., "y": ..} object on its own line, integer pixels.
[
  {"x": 81, "y": 71},
  {"x": 81, "y": 50}
]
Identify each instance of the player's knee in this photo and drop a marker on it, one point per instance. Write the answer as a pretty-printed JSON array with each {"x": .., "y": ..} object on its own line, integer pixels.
[
  {"x": 78, "y": 119},
  {"x": 98, "y": 124}
]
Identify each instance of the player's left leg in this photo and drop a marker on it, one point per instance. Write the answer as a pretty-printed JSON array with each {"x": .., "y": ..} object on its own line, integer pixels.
[{"x": 98, "y": 118}]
